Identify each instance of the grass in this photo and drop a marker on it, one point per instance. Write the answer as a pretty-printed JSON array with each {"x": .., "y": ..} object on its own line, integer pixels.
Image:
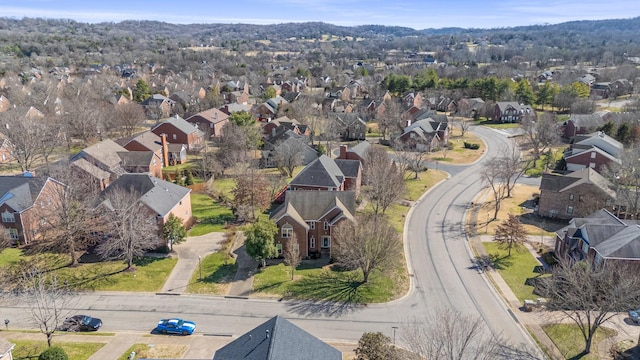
[
  {"x": 30, "y": 349},
  {"x": 513, "y": 205},
  {"x": 540, "y": 166},
  {"x": 494, "y": 125},
  {"x": 460, "y": 155},
  {"x": 212, "y": 216},
  {"x": 324, "y": 284},
  {"x": 426, "y": 180},
  {"x": 570, "y": 342},
  {"x": 158, "y": 351},
  {"x": 514, "y": 269},
  {"x": 148, "y": 274},
  {"x": 218, "y": 269}
]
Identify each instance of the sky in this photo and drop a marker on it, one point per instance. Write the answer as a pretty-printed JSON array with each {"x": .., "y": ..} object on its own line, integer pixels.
[{"x": 417, "y": 14}]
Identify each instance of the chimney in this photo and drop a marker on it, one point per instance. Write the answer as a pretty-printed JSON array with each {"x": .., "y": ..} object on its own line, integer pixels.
[
  {"x": 343, "y": 152},
  {"x": 165, "y": 150}
]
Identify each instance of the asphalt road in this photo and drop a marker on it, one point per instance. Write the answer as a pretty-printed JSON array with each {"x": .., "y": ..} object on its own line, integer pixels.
[{"x": 439, "y": 261}]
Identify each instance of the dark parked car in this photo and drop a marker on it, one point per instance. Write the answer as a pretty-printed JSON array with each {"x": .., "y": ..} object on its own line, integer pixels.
[
  {"x": 80, "y": 323},
  {"x": 176, "y": 326}
]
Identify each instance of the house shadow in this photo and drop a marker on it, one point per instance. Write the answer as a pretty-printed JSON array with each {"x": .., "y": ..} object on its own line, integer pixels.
[{"x": 329, "y": 294}]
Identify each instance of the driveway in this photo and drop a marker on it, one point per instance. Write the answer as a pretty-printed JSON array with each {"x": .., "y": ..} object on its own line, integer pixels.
[{"x": 189, "y": 254}]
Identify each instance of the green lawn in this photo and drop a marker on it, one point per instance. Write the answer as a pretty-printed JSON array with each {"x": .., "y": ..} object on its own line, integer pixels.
[
  {"x": 426, "y": 180},
  {"x": 570, "y": 342},
  {"x": 212, "y": 216},
  {"x": 10, "y": 256},
  {"x": 224, "y": 186},
  {"x": 29, "y": 349},
  {"x": 218, "y": 269},
  {"x": 324, "y": 284},
  {"x": 515, "y": 269},
  {"x": 155, "y": 351}
]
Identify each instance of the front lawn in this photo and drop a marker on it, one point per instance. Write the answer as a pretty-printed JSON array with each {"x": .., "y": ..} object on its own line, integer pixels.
[
  {"x": 155, "y": 351},
  {"x": 211, "y": 215},
  {"x": 30, "y": 349},
  {"x": 324, "y": 284},
  {"x": 570, "y": 342},
  {"x": 515, "y": 269},
  {"x": 214, "y": 273}
]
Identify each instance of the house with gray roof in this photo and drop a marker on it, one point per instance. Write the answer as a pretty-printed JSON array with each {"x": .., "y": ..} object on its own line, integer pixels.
[
  {"x": 600, "y": 237},
  {"x": 357, "y": 152},
  {"x": 328, "y": 174},
  {"x": 582, "y": 124},
  {"x": 98, "y": 159},
  {"x": 424, "y": 135},
  {"x": 310, "y": 216},
  {"x": 576, "y": 194},
  {"x": 510, "y": 111},
  {"x": 210, "y": 122},
  {"x": 284, "y": 144},
  {"x": 277, "y": 339},
  {"x": 595, "y": 150},
  {"x": 6, "y": 349},
  {"x": 158, "y": 104},
  {"x": 24, "y": 201},
  {"x": 161, "y": 197},
  {"x": 179, "y": 131}
]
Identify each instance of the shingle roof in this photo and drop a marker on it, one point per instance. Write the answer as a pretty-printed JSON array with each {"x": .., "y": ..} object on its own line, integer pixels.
[
  {"x": 361, "y": 149},
  {"x": 149, "y": 140},
  {"x": 136, "y": 158},
  {"x": 105, "y": 152},
  {"x": 212, "y": 115},
  {"x": 277, "y": 339},
  {"x": 348, "y": 167},
  {"x": 321, "y": 172},
  {"x": 561, "y": 183},
  {"x": 91, "y": 169},
  {"x": 313, "y": 204},
  {"x": 586, "y": 120},
  {"x": 159, "y": 195},
  {"x": 19, "y": 192},
  {"x": 5, "y": 346},
  {"x": 181, "y": 124}
]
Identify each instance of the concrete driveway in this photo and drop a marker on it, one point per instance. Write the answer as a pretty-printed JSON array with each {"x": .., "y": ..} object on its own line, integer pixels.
[{"x": 189, "y": 254}]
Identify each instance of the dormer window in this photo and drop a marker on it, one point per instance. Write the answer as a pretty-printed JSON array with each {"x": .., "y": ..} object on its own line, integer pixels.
[{"x": 287, "y": 231}]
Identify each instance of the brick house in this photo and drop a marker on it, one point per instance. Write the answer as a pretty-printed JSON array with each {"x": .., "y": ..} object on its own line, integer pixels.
[
  {"x": 582, "y": 124},
  {"x": 179, "y": 131},
  {"x": 595, "y": 150},
  {"x": 158, "y": 104},
  {"x": 25, "y": 201},
  {"x": 358, "y": 152},
  {"x": 425, "y": 135},
  {"x": 311, "y": 216},
  {"x": 510, "y": 111},
  {"x": 600, "y": 237},
  {"x": 161, "y": 197},
  {"x": 328, "y": 174},
  {"x": 141, "y": 162},
  {"x": 148, "y": 141},
  {"x": 576, "y": 194},
  {"x": 100, "y": 162},
  {"x": 210, "y": 122}
]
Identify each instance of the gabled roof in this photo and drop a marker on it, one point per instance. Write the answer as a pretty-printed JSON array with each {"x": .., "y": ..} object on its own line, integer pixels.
[
  {"x": 562, "y": 183},
  {"x": 91, "y": 169},
  {"x": 322, "y": 172},
  {"x": 155, "y": 99},
  {"x": 348, "y": 167},
  {"x": 180, "y": 124},
  {"x": 106, "y": 152},
  {"x": 159, "y": 195},
  {"x": 19, "y": 192},
  {"x": 586, "y": 120},
  {"x": 5, "y": 346},
  {"x": 361, "y": 149},
  {"x": 601, "y": 140},
  {"x": 212, "y": 115},
  {"x": 308, "y": 205},
  {"x": 136, "y": 158},
  {"x": 578, "y": 150},
  {"x": 277, "y": 339},
  {"x": 147, "y": 139}
]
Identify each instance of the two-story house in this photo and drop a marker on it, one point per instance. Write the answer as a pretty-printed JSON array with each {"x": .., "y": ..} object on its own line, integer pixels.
[
  {"x": 309, "y": 217},
  {"x": 582, "y": 124},
  {"x": 510, "y": 112},
  {"x": 595, "y": 150},
  {"x": 325, "y": 173},
  {"x": 25, "y": 202},
  {"x": 424, "y": 135},
  {"x": 210, "y": 122},
  {"x": 179, "y": 131}
]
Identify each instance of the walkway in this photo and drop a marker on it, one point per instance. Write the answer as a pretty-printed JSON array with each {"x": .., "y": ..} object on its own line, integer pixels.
[{"x": 243, "y": 280}]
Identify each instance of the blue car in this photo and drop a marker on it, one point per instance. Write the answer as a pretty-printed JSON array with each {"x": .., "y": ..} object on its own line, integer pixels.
[{"x": 176, "y": 326}]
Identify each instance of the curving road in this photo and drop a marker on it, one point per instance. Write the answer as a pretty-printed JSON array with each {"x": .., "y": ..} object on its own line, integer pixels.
[{"x": 439, "y": 261}]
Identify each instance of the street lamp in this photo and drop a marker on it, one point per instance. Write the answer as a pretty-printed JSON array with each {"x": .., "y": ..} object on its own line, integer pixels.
[
  {"x": 200, "y": 266},
  {"x": 394, "y": 334}
]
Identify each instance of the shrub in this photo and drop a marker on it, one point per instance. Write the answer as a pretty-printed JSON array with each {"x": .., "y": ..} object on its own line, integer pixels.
[
  {"x": 53, "y": 353},
  {"x": 471, "y": 146}
]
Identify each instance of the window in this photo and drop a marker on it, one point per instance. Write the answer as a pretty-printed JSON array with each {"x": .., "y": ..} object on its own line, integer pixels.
[
  {"x": 326, "y": 241},
  {"x": 580, "y": 198},
  {"x": 8, "y": 217},
  {"x": 592, "y": 165},
  {"x": 326, "y": 225},
  {"x": 569, "y": 209},
  {"x": 175, "y": 137},
  {"x": 287, "y": 231},
  {"x": 593, "y": 154},
  {"x": 312, "y": 225},
  {"x": 570, "y": 196},
  {"x": 585, "y": 248},
  {"x": 312, "y": 242},
  {"x": 279, "y": 248},
  {"x": 13, "y": 233}
]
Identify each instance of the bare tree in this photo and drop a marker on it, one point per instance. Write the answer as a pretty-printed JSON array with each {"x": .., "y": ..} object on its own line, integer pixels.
[
  {"x": 448, "y": 334},
  {"x": 49, "y": 301},
  {"x": 250, "y": 193},
  {"x": 463, "y": 125},
  {"x": 540, "y": 133},
  {"x": 85, "y": 114},
  {"x": 369, "y": 243},
  {"x": 25, "y": 134},
  {"x": 510, "y": 233},
  {"x": 383, "y": 178},
  {"x": 127, "y": 118},
  {"x": 493, "y": 174},
  {"x": 292, "y": 254},
  {"x": 233, "y": 147},
  {"x": 512, "y": 165},
  {"x": 132, "y": 227},
  {"x": 590, "y": 293},
  {"x": 289, "y": 155},
  {"x": 410, "y": 156},
  {"x": 277, "y": 183},
  {"x": 625, "y": 179},
  {"x": 390, "y": 121}
]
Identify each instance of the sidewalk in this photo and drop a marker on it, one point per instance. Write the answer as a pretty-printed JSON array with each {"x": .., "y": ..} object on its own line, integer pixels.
[{"x": 243, "y": 280}]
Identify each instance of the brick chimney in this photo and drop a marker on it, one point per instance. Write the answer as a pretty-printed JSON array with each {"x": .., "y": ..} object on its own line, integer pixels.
[
  {"x": 343, "y": 152},
  {"x": 165, "y": 150}
]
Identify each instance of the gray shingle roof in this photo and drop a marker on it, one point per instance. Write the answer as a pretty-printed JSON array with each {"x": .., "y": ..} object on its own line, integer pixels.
[
  {"x": 91, "y": 169},
  {"x": 277, "y": 339},
  {"x": 321, "y": 172},
  {"x": 106, "y": 152},
  {"x": 312, "y": 204},
  {"x": 361, "y": 149},
  {"x": 181, "y": 124},
  {"x": 159, "y": 195},
  {"x": 149, "y": 140},
  {"x": 19, "y": 192},
  {"x": 560, "y": 183},
  {"x": 348, "y": 167},
  {"x": 136, "y": 158}
]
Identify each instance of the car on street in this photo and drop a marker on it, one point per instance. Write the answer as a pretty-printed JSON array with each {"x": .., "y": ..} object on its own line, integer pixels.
[
  {"x": 80, "y": 323},
  {"x": 176, "y": 326}
]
